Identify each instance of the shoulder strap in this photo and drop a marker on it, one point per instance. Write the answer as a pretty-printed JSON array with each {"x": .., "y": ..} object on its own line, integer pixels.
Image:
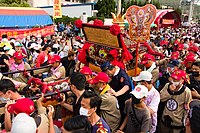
[{"x": 61, "y": 50}]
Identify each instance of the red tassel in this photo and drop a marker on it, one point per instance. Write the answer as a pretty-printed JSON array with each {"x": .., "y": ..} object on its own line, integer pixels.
[
  {"x": 114, "y": 53},
  {"x": 82, "y": 56},
  {"x": 126, "y": 54},
  {"x": 44, "y": 88}
]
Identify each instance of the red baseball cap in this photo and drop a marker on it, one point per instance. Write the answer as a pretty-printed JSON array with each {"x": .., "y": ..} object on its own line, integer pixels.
[
  {"x": 147, "y": 57},
  {"x": 24, "y": 105},
  {"x": 190, "y": 54},
  {"x": 18, "y": 55},
  {"x": 175, "y": 55},
  {"x": 180, "y": 47},
  {"x": 190, "y": 58},
  {"x": 101, "y": 77},
  {"x": 193, "y": 48},
  {"x": 56, "y": 58},
  {"x": 86, "y": 70},
  {"x": 178, "y": 74}
]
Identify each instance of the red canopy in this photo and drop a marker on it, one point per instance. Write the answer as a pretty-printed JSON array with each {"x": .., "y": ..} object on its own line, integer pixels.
[{"x": 166, "y": 18}]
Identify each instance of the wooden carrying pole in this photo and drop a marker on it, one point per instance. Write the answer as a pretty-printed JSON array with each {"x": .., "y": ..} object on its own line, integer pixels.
[
  {"x": 45, "y": 95},
  {"x": 32, "y": 69},
  {"x": 136, "y": 57}
]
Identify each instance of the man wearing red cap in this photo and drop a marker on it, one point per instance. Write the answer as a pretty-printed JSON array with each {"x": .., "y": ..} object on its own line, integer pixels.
[
  {"x": 194, "y": 49},
  {"x": 109, "y": 109},
  {"x": 177, "y": 97},
  {"x": 23, "y": 105},
  {"x": 149, "y": 65},
  {"x": 8, "y": 93},
  {"x": 87, "y": 72},
  {"x": 88, "y": 75},
  {"x": 169, "y": 66},
  {"x": 18, "y": 65},
  {"x": 189, "y": 59},
  {"x": 57, "y": 71}
]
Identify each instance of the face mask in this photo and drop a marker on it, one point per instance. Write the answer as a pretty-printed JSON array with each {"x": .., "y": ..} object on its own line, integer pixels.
[
  {"x": 135, "y": 100},
  {"x": 195, "y": 74},
  {"x": 83, "y": 111},
  {"x": 175, "y": 83},
  {"x": 34, "y": 40},
  {"x": 4, "y": 100}
]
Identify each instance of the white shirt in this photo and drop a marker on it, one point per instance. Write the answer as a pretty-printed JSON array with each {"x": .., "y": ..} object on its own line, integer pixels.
[
  {"x": 64, "y": 52},
  {"x": 35, "y": 55},
  {"x": 152, "y": 101}
]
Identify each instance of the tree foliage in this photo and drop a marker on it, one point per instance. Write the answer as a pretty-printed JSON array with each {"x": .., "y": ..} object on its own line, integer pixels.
[
  {"x": 105, "y": 7},
  {"x": 14, "y": 3},
  {"x": 65, "y": 19},
  {"x": 93, "y": 18}
]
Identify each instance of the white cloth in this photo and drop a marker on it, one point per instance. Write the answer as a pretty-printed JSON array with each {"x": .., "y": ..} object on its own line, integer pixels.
[
  {"x": 152, "y": 101},
  {"x": 45, "y": 59},
  {"x": 35, "y": 55}
]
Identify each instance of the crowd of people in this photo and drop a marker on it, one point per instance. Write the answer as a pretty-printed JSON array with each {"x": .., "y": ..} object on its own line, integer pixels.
[{"x": 163, "y": 98}]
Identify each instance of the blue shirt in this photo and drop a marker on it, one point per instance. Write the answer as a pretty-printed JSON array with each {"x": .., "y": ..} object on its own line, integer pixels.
[{"x": 97, "y": 126}]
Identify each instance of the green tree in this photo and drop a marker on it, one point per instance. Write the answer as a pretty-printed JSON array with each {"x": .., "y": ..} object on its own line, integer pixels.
[
  {"x": 140, "y": 3},
  {"x": 105, "y": 7},
  {"x": 14, "y": 3},
  {"x": 178, "y": 10},
  {"x": 156, "y": 3},
  {"x": 127, "y": 4}
]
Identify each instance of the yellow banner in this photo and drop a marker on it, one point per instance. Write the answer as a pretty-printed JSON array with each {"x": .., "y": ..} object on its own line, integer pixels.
[{"x": 57, "y": 11}]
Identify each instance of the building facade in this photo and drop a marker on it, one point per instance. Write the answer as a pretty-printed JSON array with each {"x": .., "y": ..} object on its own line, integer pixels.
[{"x": 41, "y": 3}]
